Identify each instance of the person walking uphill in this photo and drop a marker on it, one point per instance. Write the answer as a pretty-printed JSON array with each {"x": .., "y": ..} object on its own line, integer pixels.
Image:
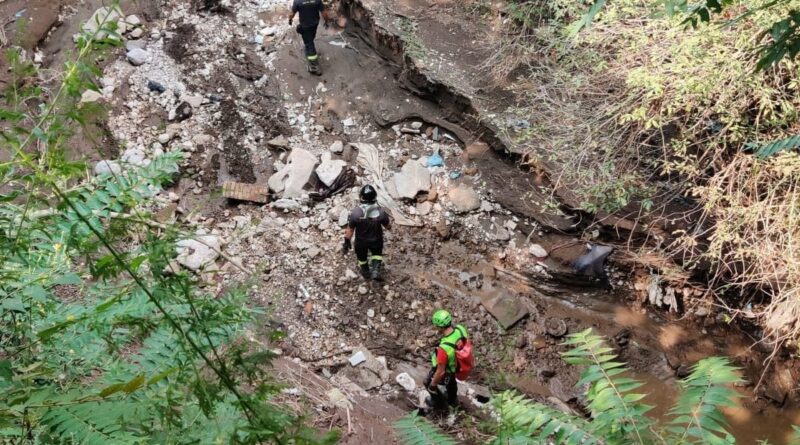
[
  {"x": 310, "y": 12},
  {"x": 367, "y": 222},
  {"x": 452, "y": 358}
]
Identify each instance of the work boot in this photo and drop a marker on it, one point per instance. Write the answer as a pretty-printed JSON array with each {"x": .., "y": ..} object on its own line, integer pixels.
[
  {"x": 375, "y": 272},
  {"x": 365, "y": 271}
]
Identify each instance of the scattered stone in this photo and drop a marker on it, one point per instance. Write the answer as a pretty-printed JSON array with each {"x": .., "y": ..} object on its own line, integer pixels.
[
  {"x": 424, "y": 208},
  {"x": 90, "y": 96},
  {"x": 555, "y": 327},
  {"x": 137, "y": 33},
  {"x": 286, "y": 204},
  {"x": 505, "y": 308},
  {"x": 510, "y": 225},
  {"x": 502, "y": 234},
  {"x": 294, "y": 175},
  {"x": 405, "y": 380},
  {"x": 138, "y": 56},
  {"x": 304, "y": 223},
  {"x": 329, "y": 169},
  {"x": 357, "y": 358},
  {"x": 350, "y": 275},
  {"x": 279, "y": 141},
  {"x": 344, "y": 215},
  {"x": 181, "y": 113},
  {"x": 164, "y": 138},
  {"x": 194, "y": 255},
  {"x": 537, "y": 251},
  {"x": 362, "y": 290},
  {"x": 102, "y": 16},
  {"x": 412, "y": 179},
  {"x": 107, "y": 167},
  {"x": 443, "y": 229},
  {"x": 313, "y": 252},
  {"x": 155, "y": 87},
  {"x": 337, "y": 147},
  {"x": 371, "y": 313},
  {"x": 196, "y": 101},
  {"x": 134, "y": 156},
  {"x": 464, "y": 199},
  {"x": 268, "y": 31},
  {"x": 476, "y": 150},
  {"x": 486, "y": 207},
  {"x": 416, "y": 125},
  {"x": 337, "y": 399}
]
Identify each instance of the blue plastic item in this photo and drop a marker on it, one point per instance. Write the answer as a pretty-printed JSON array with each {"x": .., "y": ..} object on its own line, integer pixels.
[
  {"x": 455, "y": 174},
  {"x": 435, "y": 160}
]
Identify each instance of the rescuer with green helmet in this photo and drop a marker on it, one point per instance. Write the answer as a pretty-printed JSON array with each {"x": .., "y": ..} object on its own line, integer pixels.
[{"x": 441, "y": 380}]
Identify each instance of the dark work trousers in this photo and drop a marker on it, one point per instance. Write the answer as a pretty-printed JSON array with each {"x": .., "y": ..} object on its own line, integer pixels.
[
  {"x": 368, "y": 250},
  {"x": 442, "y": 400},
  {"x": 309, "y": 33}
]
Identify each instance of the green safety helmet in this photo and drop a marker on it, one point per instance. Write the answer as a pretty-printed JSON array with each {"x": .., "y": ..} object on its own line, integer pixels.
[{"x": 442, "y": 318}]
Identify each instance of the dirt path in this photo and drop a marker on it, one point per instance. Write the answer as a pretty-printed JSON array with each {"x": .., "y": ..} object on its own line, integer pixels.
[{"x": 242, "y": 73}]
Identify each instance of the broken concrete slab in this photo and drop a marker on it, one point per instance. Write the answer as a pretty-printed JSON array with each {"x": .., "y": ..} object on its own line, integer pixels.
[
  {"x": 294, "y": 175},
  {"x": 412, "y": 179},
  {"x": 505, "y": 308},
  {"x": 279, "y": 141}
]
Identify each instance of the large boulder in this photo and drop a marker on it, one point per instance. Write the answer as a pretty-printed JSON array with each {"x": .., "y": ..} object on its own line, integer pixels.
[
  {"x": 291, "y": 179},
  {"x": 412, "y": 179},
  {"x": 464, "y": 199}
]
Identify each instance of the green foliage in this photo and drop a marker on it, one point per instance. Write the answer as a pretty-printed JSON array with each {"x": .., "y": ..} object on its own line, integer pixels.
[
  {"x": 771, "y": 148},
  {"x": 704, "y": 392},
  {"x": 617, "y": 415},
  {"x": 415, "y": 430},
  {"x": 101, "y": 342}
]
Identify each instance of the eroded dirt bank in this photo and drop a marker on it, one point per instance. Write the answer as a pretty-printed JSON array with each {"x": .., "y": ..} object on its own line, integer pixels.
[{"x": 405, "y": 83}]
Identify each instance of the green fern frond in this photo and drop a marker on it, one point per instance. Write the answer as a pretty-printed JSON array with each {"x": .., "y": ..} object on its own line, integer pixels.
[
  {"x": 771, "y": 148},
  {"x": 523, "y": 420},
  {"x": 616, "y": 410},
  {"x": 91, "y": 423},
  {"x": 415, "y": 430},
  {"x": 697, "y": 413}
]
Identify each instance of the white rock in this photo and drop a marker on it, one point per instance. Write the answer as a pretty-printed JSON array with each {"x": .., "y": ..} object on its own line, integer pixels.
[
  {"x": 104, "y": 167},
  {"x": 486, "y": 206},
  {"x": 510, "y": 225},
  {"x": 329, "y": 169},
  {"x": 357, "y": 358},
  {"x": 405, "y": 380},
  {"x": 138, "y": 56},
  {"x": 304, "y": 223},
  {"x": 371, "y": 313},
  {"x": 268, "y": 31},
  {"x": 294, "y": 175},
  {"x": 362, "y": 290},
  {"x": 416, "y": 125},
  {"x": 337, "y": 147},
  {"x": 286, "y": 204},
  {"x": 194, "y": 255},
  {"x": 90, "y": 96},
  {"x": 133, "y": 20},
  {"x": 164, "y": 138},
  {"x": 350, "y": 275},
  {"x": 134, "y": 156},
  {"x": 137, "y": 33},
  {"x": 412, "y": 179},
  {"x": 192, "y": 99},
  {"x": 344, "y": 215},
  {"x": 424, "y": 208},
  {"x": 537, "y": 251}
]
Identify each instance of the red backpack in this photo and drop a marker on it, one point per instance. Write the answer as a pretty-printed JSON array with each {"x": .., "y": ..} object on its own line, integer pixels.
[{"x": 465, "y": 359}]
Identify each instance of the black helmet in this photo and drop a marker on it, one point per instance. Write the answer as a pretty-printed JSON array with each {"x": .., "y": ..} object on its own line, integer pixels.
[{"x": 368, "y": 194}]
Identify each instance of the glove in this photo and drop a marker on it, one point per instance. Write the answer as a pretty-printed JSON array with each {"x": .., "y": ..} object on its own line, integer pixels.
[{"x": 346, "y": 246}]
